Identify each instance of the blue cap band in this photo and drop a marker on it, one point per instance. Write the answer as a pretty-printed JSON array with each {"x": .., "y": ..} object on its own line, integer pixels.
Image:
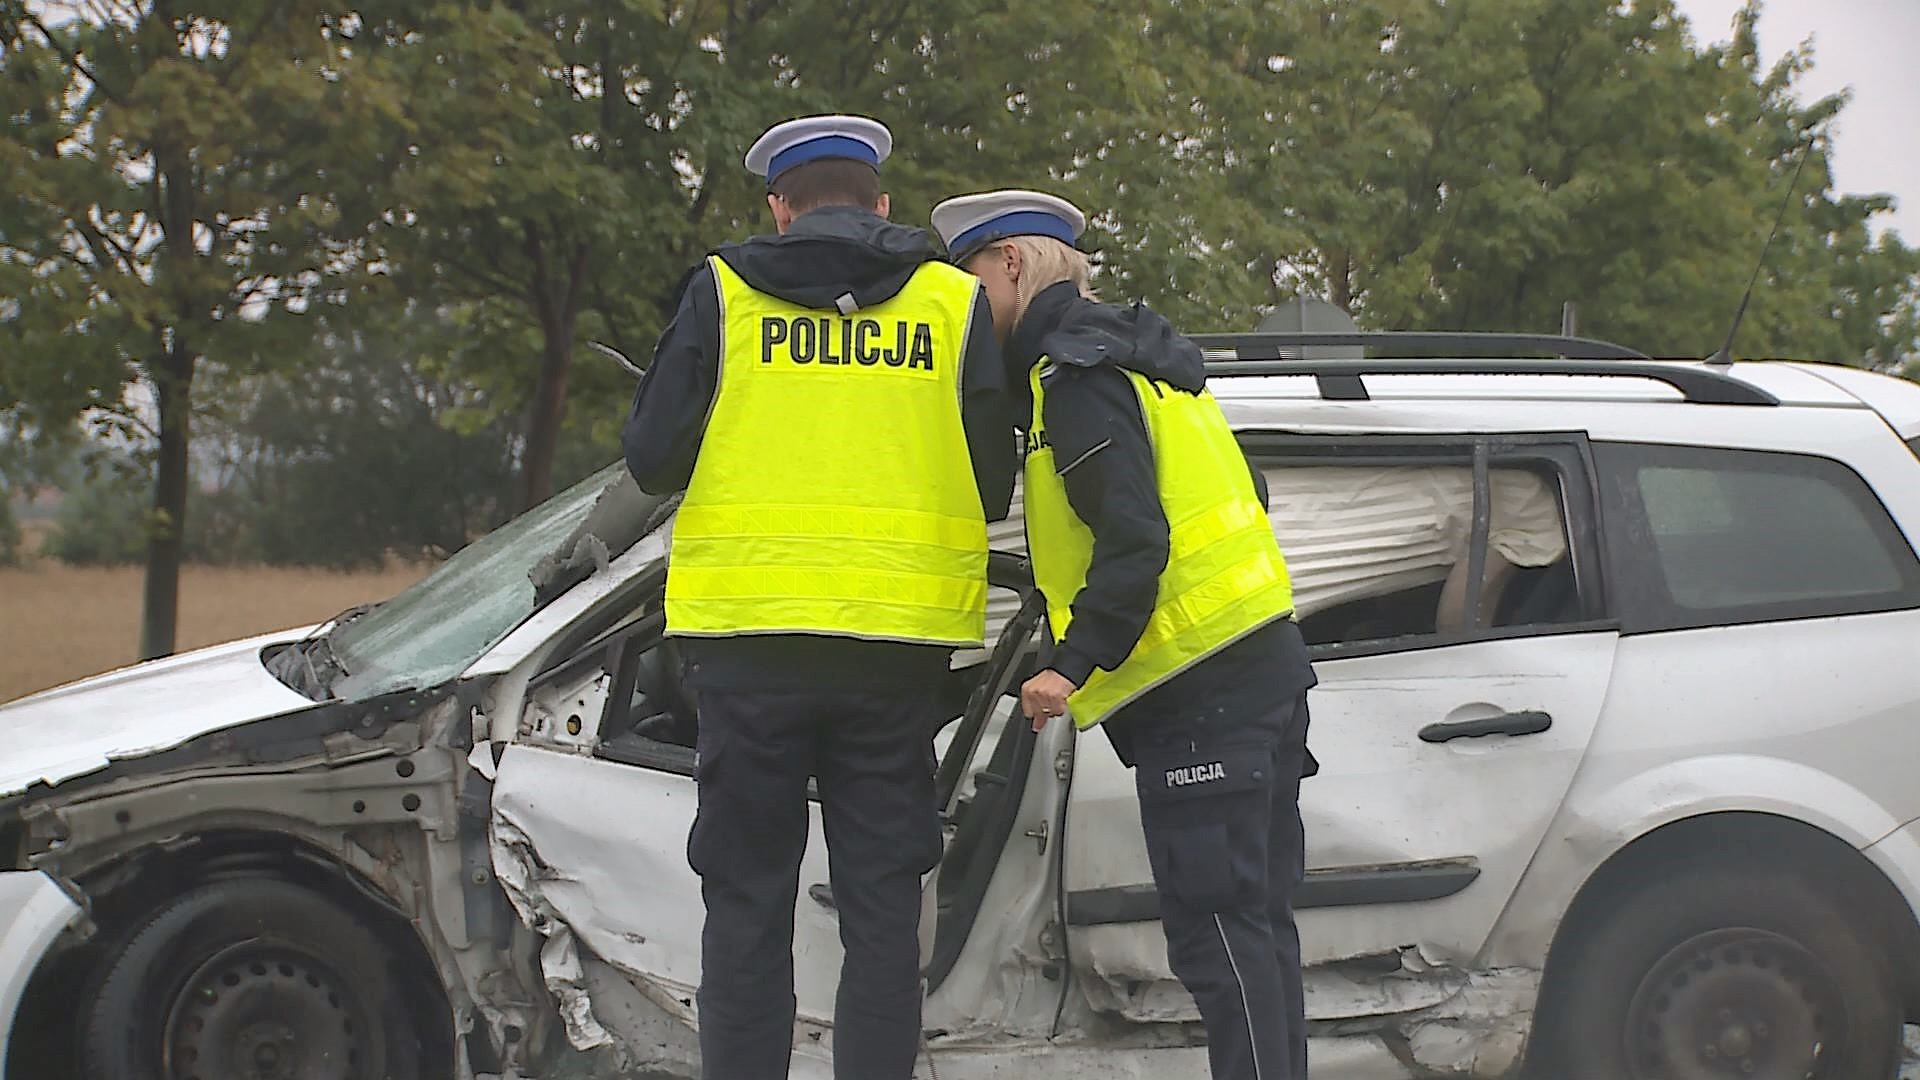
[
  {"x": 1018, "y": 223},
  {"x": 826, "y": 146}
]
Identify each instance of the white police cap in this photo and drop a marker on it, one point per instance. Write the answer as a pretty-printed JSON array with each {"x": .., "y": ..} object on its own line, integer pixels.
[
  {"x": 967, "y": 223},
  {"x": 811, "y": 138}
]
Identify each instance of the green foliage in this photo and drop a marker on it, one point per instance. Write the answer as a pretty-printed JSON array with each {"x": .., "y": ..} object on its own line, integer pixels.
[
  {"x": 341, "y": 468},
  {"x": 361, "y": 249},
  {"x": 355, "y": 461},
  {"x": 104, "y": 521},
  {"x": 1477, "y": 164},
  {"x": 181, "y": 185},
  {"x": 185, "y": 181},
  {"x": 107, "y": 519}
]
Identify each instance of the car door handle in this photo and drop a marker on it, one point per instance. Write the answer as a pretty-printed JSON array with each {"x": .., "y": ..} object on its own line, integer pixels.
[
  {"x": 1528, "y": 722},
  {"x": 822, "y": 894}
]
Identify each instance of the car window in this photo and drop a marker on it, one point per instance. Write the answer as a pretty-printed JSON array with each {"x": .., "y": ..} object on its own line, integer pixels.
[
  {"x": 1378, "y": 545},
  {"x": 1382, "y": 552},
  {"x": 1735, "y": 536},
  {"x": 437, "y": 628}
]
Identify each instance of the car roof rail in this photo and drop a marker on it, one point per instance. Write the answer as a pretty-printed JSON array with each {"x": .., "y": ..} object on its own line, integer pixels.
[
  {"x": 1430, "y": 343},
  {"x": 1340, "y": 379}
]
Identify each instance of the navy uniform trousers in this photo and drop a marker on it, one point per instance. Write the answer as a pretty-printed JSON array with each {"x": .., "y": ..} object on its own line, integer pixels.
[
  {"x": 1220, "y": 806},
  {"x": 871, "y": 751}
]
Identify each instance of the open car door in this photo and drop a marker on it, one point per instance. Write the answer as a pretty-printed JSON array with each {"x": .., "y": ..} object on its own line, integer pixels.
[{"x": 593, "y": 804}]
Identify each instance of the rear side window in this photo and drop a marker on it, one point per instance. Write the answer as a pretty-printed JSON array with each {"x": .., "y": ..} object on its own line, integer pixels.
[{"x": 1710, "y": 537}]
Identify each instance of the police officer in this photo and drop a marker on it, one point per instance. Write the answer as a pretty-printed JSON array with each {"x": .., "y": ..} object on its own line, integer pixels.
[
  {"x": 834, "y": 405},
  {"x": 1170, "y": 606}
]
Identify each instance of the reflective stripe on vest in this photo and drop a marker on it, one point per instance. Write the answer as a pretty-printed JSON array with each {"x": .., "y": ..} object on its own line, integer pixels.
[
  {"x": 834, "y": 493},
  {"x": 1225, "y": 576}
]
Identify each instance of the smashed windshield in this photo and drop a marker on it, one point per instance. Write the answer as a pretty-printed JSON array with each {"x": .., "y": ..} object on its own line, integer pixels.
[{"x": 435, "y": 630}]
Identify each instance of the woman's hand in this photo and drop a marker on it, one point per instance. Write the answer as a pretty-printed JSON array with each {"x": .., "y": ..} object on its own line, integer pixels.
[{"x": 1044, "y": 697}]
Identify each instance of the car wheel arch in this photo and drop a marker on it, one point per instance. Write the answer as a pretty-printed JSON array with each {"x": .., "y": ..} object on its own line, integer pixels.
[
  {"x": 1602, "y": 819},
  {"x": 1727, "y": 837},
  {"x": 125, "y": 887}
]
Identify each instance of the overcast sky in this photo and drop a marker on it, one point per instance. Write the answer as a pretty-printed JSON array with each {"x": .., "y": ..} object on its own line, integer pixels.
[{"x": 1865, "y": 45}]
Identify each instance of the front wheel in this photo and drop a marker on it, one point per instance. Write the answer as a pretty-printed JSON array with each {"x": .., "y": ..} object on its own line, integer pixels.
[
  {"x": 250, "y": 979},
  {"x": 1720, "y": 973}
]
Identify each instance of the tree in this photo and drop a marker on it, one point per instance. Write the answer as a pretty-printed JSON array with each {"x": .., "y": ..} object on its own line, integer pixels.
[
  {"x": 10, "y": 540},
  {"x": 183, "y": 185},
  {"x": 1474, "y": 165},
  {"x": 370, "y": 451},
  {"x": 533, "y": 194},
  {"x": 604, "y": 157}
]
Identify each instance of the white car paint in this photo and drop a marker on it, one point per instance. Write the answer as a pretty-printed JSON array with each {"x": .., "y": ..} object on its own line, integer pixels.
[
  {"x": 33, "y": 912},
  {"x": 1648, "y": 730},
  {"x": 1773, "y": 730},
  {"x": 561, "y": 814},
  {"x": 1896, "y": 399},
  {"x": 1382, "y": 797},
  {"x": 1615, "y": 765},
  {"x": 1367, "y": 712},
  {"x": 556, "y": 815},
  {"x": 84, "y": 726}
]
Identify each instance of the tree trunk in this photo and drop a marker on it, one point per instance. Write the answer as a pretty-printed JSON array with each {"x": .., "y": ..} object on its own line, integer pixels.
[
  {"x": 1341, "y": 273},
  {"x": 556, "y": 304},
  {"x": 173, "y": 393},
  {"x": 166, "y": 538},
  {"x": 549, "y": 411}
]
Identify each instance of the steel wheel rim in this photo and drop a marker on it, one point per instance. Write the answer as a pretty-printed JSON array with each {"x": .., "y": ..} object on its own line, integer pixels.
[
  {"x": 1736, "y": 1003},
  {"x": 265, "y": 1010}
]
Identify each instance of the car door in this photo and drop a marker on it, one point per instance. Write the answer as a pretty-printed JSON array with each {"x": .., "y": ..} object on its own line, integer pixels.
[
  {"x": 1447, "y": 731},
  {"x": 593, "y": 805}
]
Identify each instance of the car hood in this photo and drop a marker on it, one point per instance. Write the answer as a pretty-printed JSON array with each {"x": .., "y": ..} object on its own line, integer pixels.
[{"x": 83, "y": 726}]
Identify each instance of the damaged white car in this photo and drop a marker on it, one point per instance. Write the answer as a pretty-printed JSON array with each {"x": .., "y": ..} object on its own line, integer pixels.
[{"x": 1617, "y": 715}]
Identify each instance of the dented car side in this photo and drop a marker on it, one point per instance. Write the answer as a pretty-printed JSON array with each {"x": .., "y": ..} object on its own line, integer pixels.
[{"x": 1515, "y": 744}]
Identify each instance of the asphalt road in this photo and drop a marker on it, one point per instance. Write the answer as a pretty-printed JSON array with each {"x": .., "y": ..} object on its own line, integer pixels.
[{"x": 1910, "y": 1072}]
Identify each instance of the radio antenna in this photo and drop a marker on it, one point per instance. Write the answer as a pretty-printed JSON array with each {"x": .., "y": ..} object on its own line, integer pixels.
[
  {"x": 617, "y": 356},
  {"x": 1725, "y": 356}
]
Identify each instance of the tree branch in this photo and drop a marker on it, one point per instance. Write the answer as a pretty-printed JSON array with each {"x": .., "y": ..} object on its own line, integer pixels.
[
  {"x": 679, "y": 54},
  {"x": 609, "y": 74},
  {"x": 576, "y": 271},
  {"x": 614, "y": 329},
  {"x": 498, "y": 284},
  {"x": 701, "y": 198},
  {"x": 758, "y": 12},
  {"x": 72, "y": 59},
  {"x": 95, "y": 238}
]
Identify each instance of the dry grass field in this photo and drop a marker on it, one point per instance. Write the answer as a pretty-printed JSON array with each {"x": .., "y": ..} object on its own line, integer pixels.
[{"x": 59, "y": 623}]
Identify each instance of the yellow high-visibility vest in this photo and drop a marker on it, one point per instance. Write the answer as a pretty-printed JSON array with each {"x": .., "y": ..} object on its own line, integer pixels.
[
  {"x": 1225, "y": 576},
  {"x": 834, "y": 493}
]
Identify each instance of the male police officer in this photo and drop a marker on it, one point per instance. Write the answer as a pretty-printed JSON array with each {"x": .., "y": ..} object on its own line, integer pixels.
[
  {"x": 833, "y": 402},
  {"x": 1170, "y": 605}
]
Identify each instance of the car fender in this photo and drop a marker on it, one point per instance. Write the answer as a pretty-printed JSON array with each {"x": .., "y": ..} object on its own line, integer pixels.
[
  {"x": 1898, "y": 856},
  {"x": 33, "y": 912},
  {"x": 1601, "y": 817}
]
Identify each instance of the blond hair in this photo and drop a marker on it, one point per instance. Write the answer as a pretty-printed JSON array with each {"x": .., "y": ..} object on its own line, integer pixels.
[{"x": 1045, "y": 261}]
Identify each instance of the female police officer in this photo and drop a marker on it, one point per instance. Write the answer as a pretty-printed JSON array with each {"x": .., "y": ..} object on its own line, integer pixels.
[{"x": 1170, "y": 606}]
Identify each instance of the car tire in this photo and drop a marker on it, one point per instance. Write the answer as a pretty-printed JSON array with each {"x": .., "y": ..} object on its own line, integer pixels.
[
  {"x": 245, "y": 978},
  {"x": 1724, "y": 972}
]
